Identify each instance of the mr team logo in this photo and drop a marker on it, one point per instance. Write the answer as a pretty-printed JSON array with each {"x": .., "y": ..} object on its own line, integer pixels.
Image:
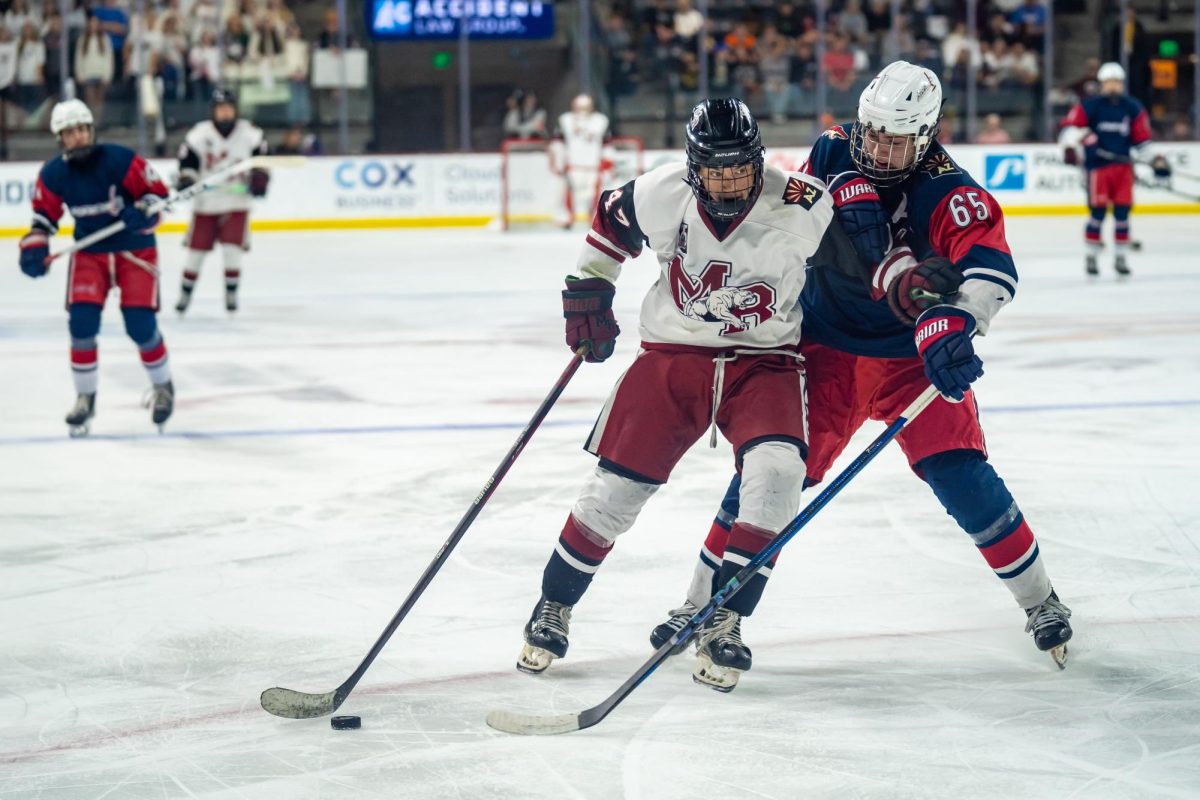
[
  {"x": 706, "y": 297},
  {"x": 1005, "y": 172}
]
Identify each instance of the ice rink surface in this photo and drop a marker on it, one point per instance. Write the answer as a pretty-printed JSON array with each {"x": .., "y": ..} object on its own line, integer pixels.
[{"x": 328, "y": 438}]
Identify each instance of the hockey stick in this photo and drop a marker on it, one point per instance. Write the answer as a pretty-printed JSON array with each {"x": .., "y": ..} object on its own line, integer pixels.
[
  {"x": 166, "y": 203},
  {"x": 545, "y": 724},
  {"x": 292, "y": 704}
]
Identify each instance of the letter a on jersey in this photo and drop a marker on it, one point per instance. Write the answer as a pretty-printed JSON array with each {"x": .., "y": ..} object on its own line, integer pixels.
[{"x": 707, "y": 298}]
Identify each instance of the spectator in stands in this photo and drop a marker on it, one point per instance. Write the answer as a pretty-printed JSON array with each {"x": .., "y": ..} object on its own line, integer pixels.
[
  {"x": 1087, "y": 85},
  {"x": 298, "y": 142},
  {"x": 688, "y": 23},
  {"x": 1131, "y": 36},
  {"x": 237, "y": 44},
  {"x": 901, "y": 45},
  {"x": 930, "y": 57},
  {"x": 95, "y": 65},
  {"x": 266, "y": 39},
  {"x": 1026, "y": 68},
  {"x": 171, "y": 55},
  {"x": 852, "y": 23},
  {"x": 204, "y": 67},
  {"x": 998, "y": 30},
  {"x": 622, "y": 59},
  {"x": 879, "y": 23},
  {"x": 665, "y": 53},
  {"x": 54, "y": 70},
  {"x": 741, "y": 56},
  {"x": 17, "y": 15},
  {"x": 205, "y": 18},
  {"x": 804, "y": 68},
  {"x": 1029, "y": 23},
  {"x": 788, "y": 20},
  {"x": 524, "y": 118},
  {"x": 993, "y": 132},
  {"x": 839, "y": 64},
  {"x": 775, "y": 66},
  {"x": 957, "y": 41},
  {"x": 328, "y": 39},
  {"x": 31, "y": 58},
  {"x": 142, "y": 45},
  {"x": 296, "y": 63},
  {"x": 115, "y": 23}
]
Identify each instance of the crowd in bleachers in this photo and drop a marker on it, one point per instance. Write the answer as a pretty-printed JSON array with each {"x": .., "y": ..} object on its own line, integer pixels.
[
  {"x": 767, "y": 53},
  {"x": 173, "y": 54}
]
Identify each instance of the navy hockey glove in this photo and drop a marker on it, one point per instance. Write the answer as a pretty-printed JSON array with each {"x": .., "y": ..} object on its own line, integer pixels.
[
  {"x": 943, "y": 339},
  {"x": 257, "y": 184},
  {"x": 862, "y": 216},
  {"x": 918, "y": 289},
  {"x": 135, "y": 217},
  {"x": 35, "y": 249},
  {"x": 1162, "y": 170},
  {"x": 587, "y": 306}
]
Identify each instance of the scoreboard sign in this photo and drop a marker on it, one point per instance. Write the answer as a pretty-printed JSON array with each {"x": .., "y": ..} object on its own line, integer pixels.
[{"x": 415, "y": 20}]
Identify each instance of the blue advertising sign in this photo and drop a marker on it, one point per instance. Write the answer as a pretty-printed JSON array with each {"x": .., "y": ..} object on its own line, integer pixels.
[{"x": 439, "y": 19}]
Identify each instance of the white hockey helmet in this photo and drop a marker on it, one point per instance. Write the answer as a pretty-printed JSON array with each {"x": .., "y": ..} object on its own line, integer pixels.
[
  {"x": 68, "y": 114},
  {"x": 1110, "y": 71},
  {"x": 582, "y": 104},
  {"x": 898, "y": 117}
]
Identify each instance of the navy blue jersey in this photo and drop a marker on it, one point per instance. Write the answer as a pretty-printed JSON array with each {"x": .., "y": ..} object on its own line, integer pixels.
[
  {"x": 938, "y": 211},
  {"x": 1118, "y": 124},
  {"x": 95, "y": 192}
]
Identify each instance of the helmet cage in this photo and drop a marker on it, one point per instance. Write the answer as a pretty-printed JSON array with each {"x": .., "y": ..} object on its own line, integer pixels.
[{"x": 890, "y": 164}]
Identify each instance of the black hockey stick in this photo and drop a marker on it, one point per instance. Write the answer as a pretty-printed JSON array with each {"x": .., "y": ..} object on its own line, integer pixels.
[
  {"x": 303, "y": 705},
  {"x": 544, "y": 724}
]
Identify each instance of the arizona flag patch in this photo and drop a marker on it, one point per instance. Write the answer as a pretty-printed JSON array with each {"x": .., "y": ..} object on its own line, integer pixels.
[{"x": 799, "y": 193}]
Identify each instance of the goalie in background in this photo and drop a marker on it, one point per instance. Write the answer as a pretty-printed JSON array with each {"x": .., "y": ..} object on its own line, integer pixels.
[{"x": 579, "y": 153}]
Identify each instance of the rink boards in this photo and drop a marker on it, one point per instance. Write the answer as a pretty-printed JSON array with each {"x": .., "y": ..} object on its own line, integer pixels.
[{"x": 463, "y": 190}]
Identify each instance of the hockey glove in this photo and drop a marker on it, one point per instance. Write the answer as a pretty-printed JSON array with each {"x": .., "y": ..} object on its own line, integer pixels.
[
  {"x": 187, "y": 178},
  {"x": 862, "y": 216},
  {"x": 918, "y": 289},
  {"x": 257, "y": 184},
  {"x": 943, "y": 339},
  {"x": 135, "y": 217},
  {"x": 1071, "y": 156},
  {"x": 35, "y": 249},
  {"x": 1162, "y": 170},
  {"x": 587, "y": 306}
]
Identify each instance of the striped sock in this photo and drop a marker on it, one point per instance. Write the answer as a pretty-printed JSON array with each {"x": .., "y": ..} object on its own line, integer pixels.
[
  {"x": 745, "y": 542},
  {"x": 155, "y": 360},
  {"x": 573, "y": 563},
  {"x": 84, "y": 363},
  {"x": 1010, "y": 549}
]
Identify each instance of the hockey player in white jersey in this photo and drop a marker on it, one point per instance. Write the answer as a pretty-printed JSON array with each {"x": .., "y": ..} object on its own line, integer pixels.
[
  {"x": 720, "y": 331},
  {"x": 221, "y": 214},
  {"x": 579, "y": 153}
]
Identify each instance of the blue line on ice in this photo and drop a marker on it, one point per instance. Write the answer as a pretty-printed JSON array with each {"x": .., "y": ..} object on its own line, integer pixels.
[{"x": 440, "y": 427}]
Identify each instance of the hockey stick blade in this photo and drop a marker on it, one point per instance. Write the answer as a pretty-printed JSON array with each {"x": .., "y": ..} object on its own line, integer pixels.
[
  {"x": 549, "y": 724},
  {"x": 290, "y": 704}
]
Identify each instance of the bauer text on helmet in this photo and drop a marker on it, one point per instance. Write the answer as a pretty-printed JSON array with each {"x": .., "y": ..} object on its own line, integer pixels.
[
  {"x": 898, "y": 116},
  {"x": 725, "y": 157}
]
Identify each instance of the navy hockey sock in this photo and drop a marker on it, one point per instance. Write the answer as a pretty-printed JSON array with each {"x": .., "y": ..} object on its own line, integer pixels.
[{"x": 572, "y": 565}]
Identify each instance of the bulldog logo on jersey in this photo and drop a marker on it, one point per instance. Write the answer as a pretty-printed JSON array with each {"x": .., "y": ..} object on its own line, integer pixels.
[
  {"x": 799, "y": 193},
  {"x": 706, "y": 297}
]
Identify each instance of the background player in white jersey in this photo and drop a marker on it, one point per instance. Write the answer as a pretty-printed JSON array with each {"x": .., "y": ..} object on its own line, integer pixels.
[
  {"x": 720, "y": 332},
  {"x": 578, "y": 153},
  {"x": 221, "y": 214}
]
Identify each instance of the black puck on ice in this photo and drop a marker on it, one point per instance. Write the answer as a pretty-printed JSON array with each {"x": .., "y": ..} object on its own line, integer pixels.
[{"x": 346, "y": 723}]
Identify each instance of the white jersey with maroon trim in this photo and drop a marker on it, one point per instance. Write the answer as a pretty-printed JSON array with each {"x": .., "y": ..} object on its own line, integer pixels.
[
  {"x": 739, "y": 289},
  {"x": 583, "y": 138},
  {"x": 205, "y": 151}
]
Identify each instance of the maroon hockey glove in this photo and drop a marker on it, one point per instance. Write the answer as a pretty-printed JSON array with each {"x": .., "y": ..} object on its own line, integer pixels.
[
  {"x": 1071, "y": 156},
  {"x": 259, "y": 178},
  {"x": 922, "y": 287},
  {"x": 587, "y": 306}
]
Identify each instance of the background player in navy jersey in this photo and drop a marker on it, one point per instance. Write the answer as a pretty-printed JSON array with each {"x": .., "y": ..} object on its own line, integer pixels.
[
  {"x": 950, "y": 274},
  {"x": 100, "y": 184},
  {"x": 1106, "y": 133}
]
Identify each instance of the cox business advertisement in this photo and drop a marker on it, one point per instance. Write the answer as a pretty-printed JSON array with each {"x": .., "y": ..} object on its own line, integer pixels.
[{"x": 464, "y": 190}]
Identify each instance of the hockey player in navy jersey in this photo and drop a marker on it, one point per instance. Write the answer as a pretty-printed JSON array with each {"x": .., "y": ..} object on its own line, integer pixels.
[
  {"x": 100, "y": 184},
  {"x": 870, "y": 352},
  {"x": 1107, "y": 133}
]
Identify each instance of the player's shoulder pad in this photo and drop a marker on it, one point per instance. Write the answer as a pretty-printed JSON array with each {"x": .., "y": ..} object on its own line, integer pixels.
[
  {"x": 115, "y": 156},
  {"x": 798, "y": 202},
  {"x": 661, "y": 197}
]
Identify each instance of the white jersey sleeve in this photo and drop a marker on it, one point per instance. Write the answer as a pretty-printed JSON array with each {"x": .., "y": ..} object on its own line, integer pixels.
[
  {"x": 720, "y": 286},
  {"x": 205, "y": 151}
]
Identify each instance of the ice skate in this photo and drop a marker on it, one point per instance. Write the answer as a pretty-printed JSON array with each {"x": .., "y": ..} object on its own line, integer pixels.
[
  {"x": 545, "y": 636},
  {"x": 231, "y": 300},
  {"x": 679, "y": 617},
  {"x": 161, "y": 402},
  {"x": 1051, "y": 630},
  {"x": 185, "y": 300},
  {"x": 1091, "y": 265},
  {"x": 721, "y": 655},
  {"x": 79, "y": 418},
  {"x": 1121, "y": 265}
]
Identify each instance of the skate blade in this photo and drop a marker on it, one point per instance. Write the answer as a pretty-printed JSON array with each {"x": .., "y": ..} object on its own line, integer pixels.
[
  {"x": 534, "y": 660},
  {"x": 1059, "y": 654},
  {"x": 714, "y": 676},
  {"x": 79, "y": 431}
]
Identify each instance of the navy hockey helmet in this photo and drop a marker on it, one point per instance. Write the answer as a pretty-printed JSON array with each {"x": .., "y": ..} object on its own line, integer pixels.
[
  {"x": 723, "y": 134},
  {"x": 223, "y": 97}
]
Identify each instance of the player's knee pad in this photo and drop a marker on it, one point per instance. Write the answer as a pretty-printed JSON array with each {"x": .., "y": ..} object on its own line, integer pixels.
[
  {"x": 140, "y": 324},
  {"x": 1121, "y": 213},
  {"x": 772, "y": 477},
  {"x": 967, "y": 487},
  {"x": 609, "y": 503},
  {"x": 83, "y": 320},
  {"x": 232, "y": 255},
  {"x": 731, "y": 504}
]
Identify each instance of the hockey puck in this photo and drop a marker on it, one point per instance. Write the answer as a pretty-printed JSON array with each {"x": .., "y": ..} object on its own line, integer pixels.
[{"x": 346, "y": 723}]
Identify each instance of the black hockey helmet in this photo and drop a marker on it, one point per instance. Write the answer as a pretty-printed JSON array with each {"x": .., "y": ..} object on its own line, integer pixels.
[
  {"x": 723, "y": 133},
  {"x": 223, "y": 97}
]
